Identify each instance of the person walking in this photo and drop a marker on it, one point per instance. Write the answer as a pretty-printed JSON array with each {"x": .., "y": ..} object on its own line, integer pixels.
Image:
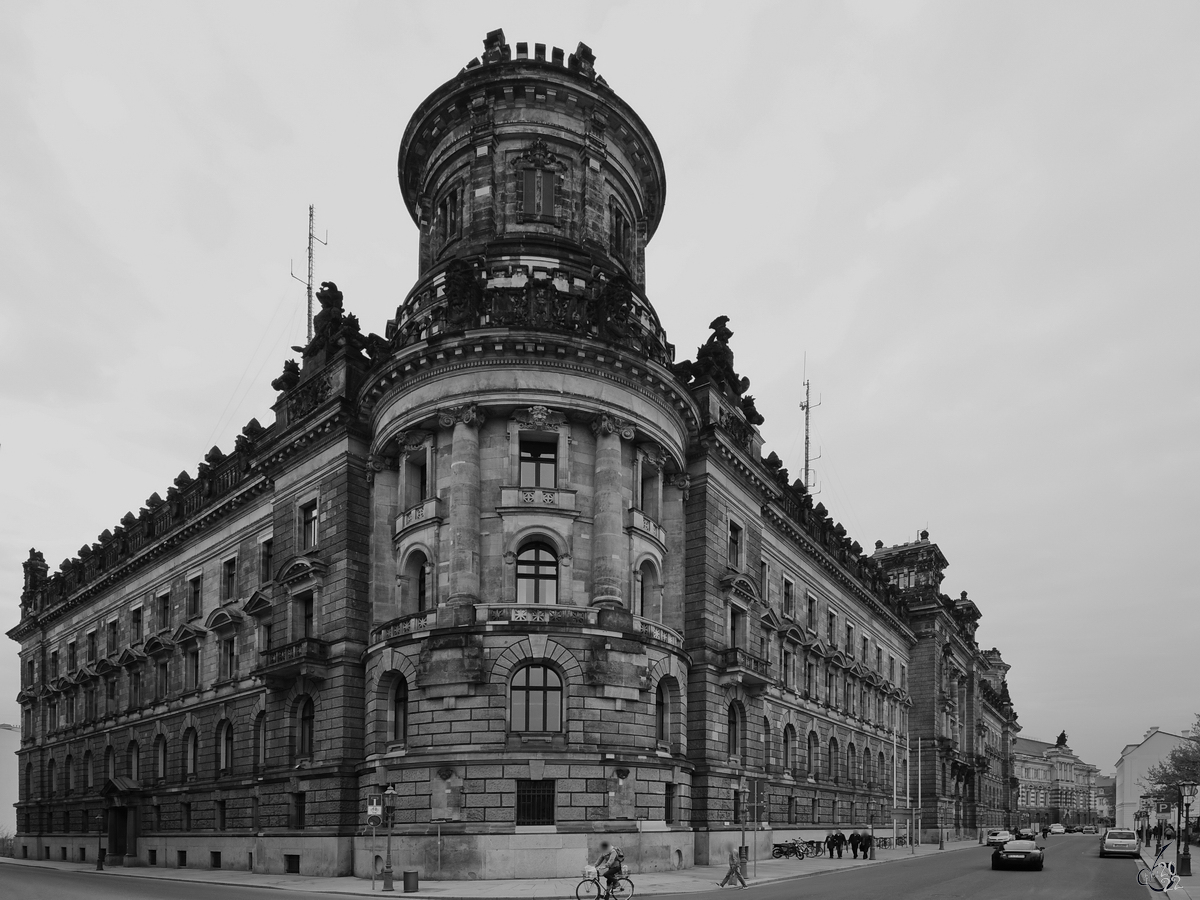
[
  {"x": 735, "y": 871},
  {"x": 839, "y": 841},
  {"x": 830, "y": 843},
  {"x": 866, "y": 845},
  {"x": 855, "y": 840}
]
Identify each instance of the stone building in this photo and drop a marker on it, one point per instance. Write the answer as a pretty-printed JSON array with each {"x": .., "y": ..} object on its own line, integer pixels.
[
  {"x": 963, "y": 725},
  {"x": 1133, "y": 767},
  {"x": 511, "y": 558},
  {"x": 1055, "y": 784}
]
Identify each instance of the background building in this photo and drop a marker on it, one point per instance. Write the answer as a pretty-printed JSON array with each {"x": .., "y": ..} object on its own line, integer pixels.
[
  {"x": 1106, "y": 799},
  {"x": 511, "y": 557},
  {"x": 1054, "y": 784},
  {"x": 1132, "y": 768}
]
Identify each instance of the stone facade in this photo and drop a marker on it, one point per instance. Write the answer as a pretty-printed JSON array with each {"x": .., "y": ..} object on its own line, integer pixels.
[
  {"x": 509, "y": 559},
  {"x": 963, "y": 724}
]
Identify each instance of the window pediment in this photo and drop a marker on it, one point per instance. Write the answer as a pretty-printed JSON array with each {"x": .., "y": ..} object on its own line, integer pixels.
[
  {"x": 188, "y": 633},
  {"x": 771, "y": 620},
  {"x": 735, "y": 583},
  {"x": 130, "y": 657},
  {"x": 224, "y": 619},
  {"x": 158, "y": 646},
  {"x": 258, "y": 605},
  {"x": 104, "y": 666},
  {"x": 85, "y": 673},
  {"x": 301, "y": 572}
]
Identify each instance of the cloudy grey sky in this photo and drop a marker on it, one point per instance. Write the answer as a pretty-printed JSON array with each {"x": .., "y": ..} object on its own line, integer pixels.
[{"x": 978, "y": 222}]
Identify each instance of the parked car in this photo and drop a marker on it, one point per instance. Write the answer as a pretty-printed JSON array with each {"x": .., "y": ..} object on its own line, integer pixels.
[
  {"x": 1019, "y": 855},
  {"x": 1119, "y": 842},
  {"x": 1057, "y": 828},
  {"x": 1089, "y": 829},
  {"x": 998, "y": 837}
]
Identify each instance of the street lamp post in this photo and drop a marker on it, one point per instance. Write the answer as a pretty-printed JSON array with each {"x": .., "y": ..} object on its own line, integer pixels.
[
  {"x": 1188, "y": 790},
  {"x": 389, "y": 800},
  {"x": 99, "y": 838}
]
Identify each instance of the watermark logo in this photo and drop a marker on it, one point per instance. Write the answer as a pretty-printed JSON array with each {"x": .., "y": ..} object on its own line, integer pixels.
[{"x": 1161, "y": 876}]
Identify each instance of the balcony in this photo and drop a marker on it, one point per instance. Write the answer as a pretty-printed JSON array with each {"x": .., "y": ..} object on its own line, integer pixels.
[
  {"x": 741, "y": 666},
  {"x": 537, "y": 614},
  {"x": 542, "y": 498},
  {"x": 405, "y": 625},
  {"x": 308, "y": 657},
  {"x": 424, "y": 513},
  {"x": 636, "y": 520}
]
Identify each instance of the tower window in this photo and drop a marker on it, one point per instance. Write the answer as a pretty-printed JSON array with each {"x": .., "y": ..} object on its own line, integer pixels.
[
  {"x": 539, "y": 464},
  {"x": 535, "y": 702},
  {"x": 734, "y": 559},
  {"x": 447, "y": 216},
  {"x": 620, "y": 236},
  {"x": 537, "y": 574},
  {"x": 308, "y": 525},
  {"x": 537, "y": 194}
]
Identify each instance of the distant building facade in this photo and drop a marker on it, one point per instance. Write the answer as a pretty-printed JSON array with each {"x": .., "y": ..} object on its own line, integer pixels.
[
  {"x": 1106, "y": 799},
  {"x": 962, "y": 725},
  {"x": 1055, "y": 785},
  {"x": 511, "y": 558},
  {"x": 1132, "y": 768}
]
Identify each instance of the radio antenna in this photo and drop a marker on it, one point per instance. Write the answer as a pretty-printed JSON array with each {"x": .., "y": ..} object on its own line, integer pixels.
[
  {"x": 309, "y": 284},
  {"x": 808, "y": 407}
]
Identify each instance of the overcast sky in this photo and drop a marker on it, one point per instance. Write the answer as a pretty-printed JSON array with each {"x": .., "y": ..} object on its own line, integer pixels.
[{"x": 979, "y": 222}]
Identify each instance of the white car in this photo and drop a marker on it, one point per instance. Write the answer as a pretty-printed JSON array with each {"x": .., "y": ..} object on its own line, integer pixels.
[
  {"x": 998, "y": 838},
  {"x": 1119, "y": 841},
  {"x": 1057, "y": 828}
]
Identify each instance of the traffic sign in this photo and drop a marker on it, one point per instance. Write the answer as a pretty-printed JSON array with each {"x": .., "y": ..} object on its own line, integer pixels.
[
  {"x": 374, "y": 821},
  {"x": 374, "y": 804}
]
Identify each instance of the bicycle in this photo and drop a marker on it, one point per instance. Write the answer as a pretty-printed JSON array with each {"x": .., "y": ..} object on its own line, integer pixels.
[
  {"x": 812, "y": 849},
  {"x": 883, "y": 843},
  {"x": 592, "y": 888},
  {"x": 901, "y": 841}
]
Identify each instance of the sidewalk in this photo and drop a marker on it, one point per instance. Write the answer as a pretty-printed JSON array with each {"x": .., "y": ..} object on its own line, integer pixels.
[
  {"x": 1187, "y": 888},
  {"x": 683, "y": 881}
]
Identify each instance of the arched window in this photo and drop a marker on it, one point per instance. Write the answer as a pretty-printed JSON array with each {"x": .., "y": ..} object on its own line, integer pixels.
[
  {"x": 110, "y": 762},
  {"x": 789, "y": 748},
  {"x": 535, "y": 701},
  {"x": 885, "y": 774},
  {"x": 50, "y": 778},
  {"x": 160, "y": 758},
  {"x": 650, "y": 593},
  {"x": 307, "y": 717},
  {"x": 132, "y": 761},
  {"x": 225, "y": 747},
  {"x": 68, "y": 775},
  {"x": 88, "y": 776},
  {"x": 831, "y": 761},
  {"x": 851, "y": 763},
  {"x": 733, "y": 740},
  {"x": 416, "y": 582},
  {"x": 537, "y": 574},
  {"x": 814, "y": 754},
  {"x": 191, "y": 753},
  {"x": 867, "y": 774},
  {"x": 662, "y": 713},
  {"x": 399, "y": 710}
]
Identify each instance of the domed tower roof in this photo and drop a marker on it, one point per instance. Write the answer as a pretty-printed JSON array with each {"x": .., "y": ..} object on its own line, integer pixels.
[{"x": 527, "y": 170}]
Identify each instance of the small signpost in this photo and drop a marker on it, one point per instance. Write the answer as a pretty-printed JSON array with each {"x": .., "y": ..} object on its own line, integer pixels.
[{"x": 374, "y": 819}]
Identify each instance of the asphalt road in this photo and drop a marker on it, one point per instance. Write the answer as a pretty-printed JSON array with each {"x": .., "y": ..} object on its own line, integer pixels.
[{"x": 1073, "y": 870}]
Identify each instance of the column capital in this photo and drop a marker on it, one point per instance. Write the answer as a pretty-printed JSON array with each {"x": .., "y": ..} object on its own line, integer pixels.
[
  {"x": 606, "y": 424},
  {"x": 467, "y": 414}
]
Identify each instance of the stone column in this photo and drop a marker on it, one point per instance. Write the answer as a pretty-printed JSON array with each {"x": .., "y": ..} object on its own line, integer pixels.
[
  {"x": 609, "y": 544},
  {"x": 465, "y": 549}
]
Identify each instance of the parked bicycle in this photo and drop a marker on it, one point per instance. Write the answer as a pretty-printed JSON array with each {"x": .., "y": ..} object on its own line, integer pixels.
[
  {"x": 789, "y": 849},
  {"x": 593, "y": 887}
]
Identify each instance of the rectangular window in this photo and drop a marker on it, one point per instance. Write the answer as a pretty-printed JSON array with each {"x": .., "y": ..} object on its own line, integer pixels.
[
  {"x": 298, "y": 809},
  {"x": 535, "y": 802},
  {"x": 229, "y": 580},
  {"x": 192, "y": 666},
  {"x": 91, "y": 646},
  {"x": 830, "y": 691},
  {"x": 185, "y": 816},
  {"x": 737, "y": 627},
  {"x": 164, "y": 612},
  {"x": 787, "y": 669},
  {"x": 195, "y": 596},
  {"x": 30, "y": 673},
  {"x": 447, "y": 216},
  {"x": 809, "y": 672},
  {"x": 264, "y": 561},
  {"x": 265, "y": 636},
  {"x": 308, "y": 525},
  {"x": 734, "y": 559},
  {"x": 135, "y": 688},
  {"x": 812, "y": 613},
  {"x": 220, "y": 822},
  {"x": 110, "y": 646},
  {"x": 789, "y": 598},
  {"x": 161, "y": 682},
  {"x": 538, "y": 193},
  {"x": 53, "y": 665},
  {"x": 229, "y": 660},
  {"x": 669, "y": 804},
  {"x": 539, "y": 464},
  {"x": 878, "y": 660},
  {"x": 866, "y": 646},
  {"x": 416, "y": 479},
  {"x": 831, "y": 621},
  {"x": 892, "y": 669},
  {"x": 89, "y": 702},
  {"x": 850, "y": 640},
  {"x": 110, "y": 695},
  {"x": 306, "y": 615},
  {"x": 72, "y": 657},
  {"x": 903, "y": 677}
]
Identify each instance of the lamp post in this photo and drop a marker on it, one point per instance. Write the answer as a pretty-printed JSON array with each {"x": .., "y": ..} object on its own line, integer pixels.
[
  {"x": 1188, "y": 790},
  {"x": 389, "y": 799},
  {"x": 99, "y": 838}
]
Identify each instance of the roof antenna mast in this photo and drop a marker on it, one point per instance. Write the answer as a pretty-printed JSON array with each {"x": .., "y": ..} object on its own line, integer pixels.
[
  {"x": 311, "y": 237},
  {"x": 808, "y": 406}
]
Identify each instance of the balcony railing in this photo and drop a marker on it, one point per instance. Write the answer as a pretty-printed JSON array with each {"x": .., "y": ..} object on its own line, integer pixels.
[
  {"x": 748, "y": 667},
  {"x": 537, "y": 498},
  {"x": 307, "y": 656},
  {"x": 425, "y": 511},
  {"x": 639, "y": 521},
  {"x": 421, "y": 621},
  {"x": 656, "y": 631},
  {"x": 537, "y": 614}
]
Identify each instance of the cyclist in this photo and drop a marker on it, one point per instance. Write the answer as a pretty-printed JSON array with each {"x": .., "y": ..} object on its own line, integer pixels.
[{"x": 608, "y": 866}]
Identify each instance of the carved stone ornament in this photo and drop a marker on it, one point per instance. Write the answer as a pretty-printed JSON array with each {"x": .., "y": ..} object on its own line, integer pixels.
[
  {"x": 468, "y": 414},
  {"x": 308, "y": 396},
  {"x": 741, "y": 433},
  {"x": 606, "y": 424},
  {"x": 537, "y": 154},
  {"x": 683, "y": 481},
  {"x": 411, "y": 441},
  {"x": 539, "y": 418},
  {"x": 654, "y": 457},
  {"x": 445, "y": 773},
  {"x": 377, "y": 463}
]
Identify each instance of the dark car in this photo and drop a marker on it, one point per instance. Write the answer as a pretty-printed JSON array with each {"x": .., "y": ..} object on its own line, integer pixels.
[{"x": 1019, "y": 855}]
